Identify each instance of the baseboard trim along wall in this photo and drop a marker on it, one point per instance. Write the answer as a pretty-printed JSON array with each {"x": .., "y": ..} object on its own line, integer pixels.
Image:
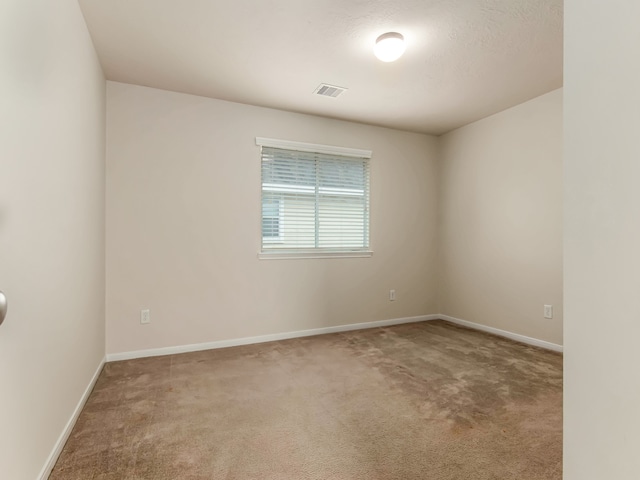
[
  {"x": 154, "y": 352},
  {"x": 504, "y": 333},
  {"x": 235, "y": 342},
  {"x": 62, "y": 439}
]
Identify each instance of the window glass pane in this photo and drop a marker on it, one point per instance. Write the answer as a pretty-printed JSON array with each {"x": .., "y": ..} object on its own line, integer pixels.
[
  {"x": 287, "y": 169},
  {"x": 341, "y": 174},
  {"x": 270, "y": 218}
]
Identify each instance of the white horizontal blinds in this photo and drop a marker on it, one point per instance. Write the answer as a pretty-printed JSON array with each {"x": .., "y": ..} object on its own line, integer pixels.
[
  {"x": 322, "y": 201},
  {"x": 343, "y": 202}
]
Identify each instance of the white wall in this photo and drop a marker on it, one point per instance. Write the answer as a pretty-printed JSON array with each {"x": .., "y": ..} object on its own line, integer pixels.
[
  {"x": 602, "y": 240},
  {"x": 52, "y": 151},
  {"x": 501, "y": 220},
  {"x": 183, "y": 225}
]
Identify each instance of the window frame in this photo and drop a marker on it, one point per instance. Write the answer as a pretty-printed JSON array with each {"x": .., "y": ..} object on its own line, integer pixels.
[{"x": 316, "y": 252}]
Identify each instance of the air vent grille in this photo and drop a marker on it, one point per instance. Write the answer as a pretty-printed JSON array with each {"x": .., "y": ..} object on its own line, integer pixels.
[{"x": 326, "y": 90}]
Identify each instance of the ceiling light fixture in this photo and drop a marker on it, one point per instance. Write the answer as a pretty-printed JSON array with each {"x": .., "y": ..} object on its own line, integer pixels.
[{"x": 389, "y": 46}]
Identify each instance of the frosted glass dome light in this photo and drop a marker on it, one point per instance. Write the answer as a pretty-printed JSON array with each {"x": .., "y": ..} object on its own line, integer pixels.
[{"x": 389, "y": 46}]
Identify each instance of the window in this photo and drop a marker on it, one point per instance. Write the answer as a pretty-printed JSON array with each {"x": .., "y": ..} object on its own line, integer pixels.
[{"x": 315, "y": 200}]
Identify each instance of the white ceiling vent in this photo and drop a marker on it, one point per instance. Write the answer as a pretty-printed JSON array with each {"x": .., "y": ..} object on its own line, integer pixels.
[{"x": 326, "y": 90}]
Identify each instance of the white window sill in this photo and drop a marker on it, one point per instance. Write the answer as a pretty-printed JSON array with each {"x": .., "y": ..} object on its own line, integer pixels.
[{"x": 308, "y": 255}]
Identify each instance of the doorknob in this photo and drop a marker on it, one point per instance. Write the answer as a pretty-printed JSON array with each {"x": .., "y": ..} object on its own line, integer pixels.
[{"x": 3, "y": 307}]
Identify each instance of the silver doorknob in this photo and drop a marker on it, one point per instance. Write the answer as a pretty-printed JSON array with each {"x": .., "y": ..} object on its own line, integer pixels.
[{"x": 3, "y": 307}]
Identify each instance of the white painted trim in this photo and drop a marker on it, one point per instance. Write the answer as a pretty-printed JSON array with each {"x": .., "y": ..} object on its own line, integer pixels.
[
  {"x": 234, "y": 342},
  {"x": 504, "y": 333},
  {"x": 154, "y": 352},
  {"x": 275, "y": 255},
  {"x": 313, "y": 147},
  {"x": 64, "y": 436}
]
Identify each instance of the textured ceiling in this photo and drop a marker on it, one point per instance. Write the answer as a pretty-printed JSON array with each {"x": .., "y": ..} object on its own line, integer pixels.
[{"x": 465, "y": 59}]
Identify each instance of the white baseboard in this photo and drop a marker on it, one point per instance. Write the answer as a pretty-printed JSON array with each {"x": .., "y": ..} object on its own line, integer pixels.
[
  {"x": 503, "y": 333},
  {"x": 62, "y": 439},
  {"x": 154, "y": 352}
]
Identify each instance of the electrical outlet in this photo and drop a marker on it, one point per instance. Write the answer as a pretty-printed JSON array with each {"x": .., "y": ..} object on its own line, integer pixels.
[
  {"x": 145, "y": 316},
  {"x": 548, "y": 311},
  {"x": 392, "y": 295}
]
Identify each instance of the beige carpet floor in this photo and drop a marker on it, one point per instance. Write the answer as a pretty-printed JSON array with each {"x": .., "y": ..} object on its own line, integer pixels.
[{"x": 418, "y": 401}]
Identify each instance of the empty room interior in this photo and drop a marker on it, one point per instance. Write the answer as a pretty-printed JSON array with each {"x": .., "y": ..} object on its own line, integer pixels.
[{"x": 251, "y": 240}]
